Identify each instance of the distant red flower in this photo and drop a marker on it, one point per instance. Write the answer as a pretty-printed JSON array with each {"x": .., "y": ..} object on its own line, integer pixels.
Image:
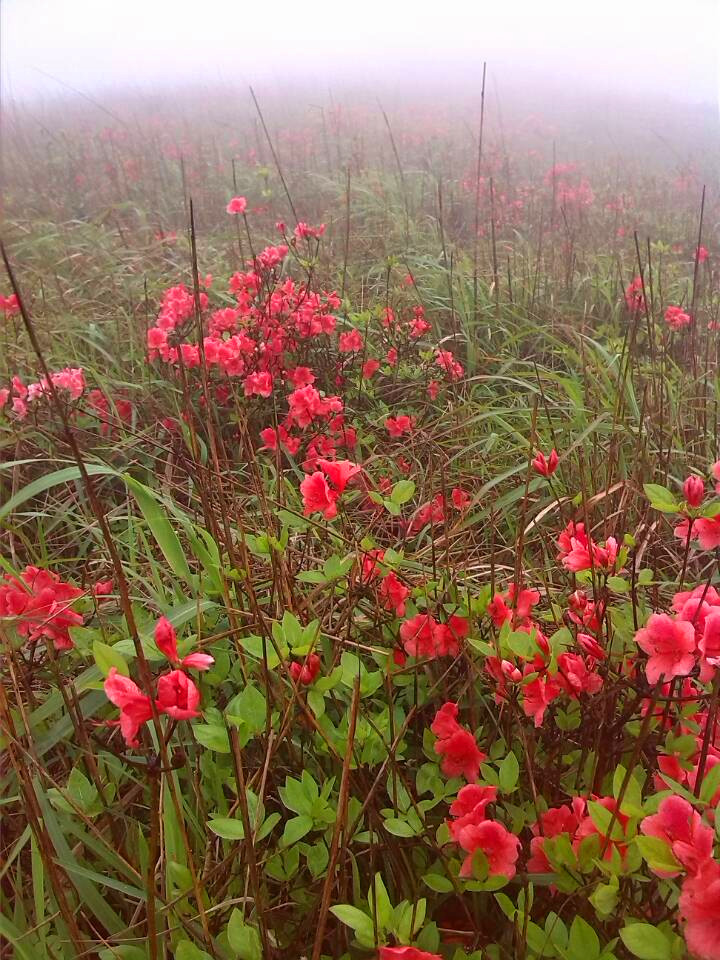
[
  {"x": 350, "y": 342},
  {"x": 634, "y": 296},
  {"x": 10, "y": 305},
  {"x": 460, "y": 499},
  {"x": 370, "y": 368},
  {"x": 237, "y": 205},
  {"x": 304, "y": 230},
  {"x": 676, "y": 318},
  {"x": 702, "y": 254},
  {"x": 397, "y": 426},
  {"x": 452, "y": 367},
  {"x": 40, "y": 603}
]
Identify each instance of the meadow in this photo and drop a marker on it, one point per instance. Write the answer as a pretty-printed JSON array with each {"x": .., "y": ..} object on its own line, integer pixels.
[{"x": 359, "y": 529}]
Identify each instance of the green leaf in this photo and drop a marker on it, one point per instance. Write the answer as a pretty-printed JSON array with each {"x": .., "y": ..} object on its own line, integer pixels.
[
  {"x": 618, "y": 584},
  {"x": 605, "y": 897},
  {"x": 107, "y": 657},
  {"x": 352, "y": 917},
  {"x": 161, "y": 529},
  {"x": 213, "y": 736},
  {"x": 710, "y": 783},
  {"x": 188, "y": 951},
  {"x": 250, "y": 706},
  {"x": 583, "y": 943},
  {"x": 382, "y": 902},
  {"x": 296, "y": 828},
  {"x": 438, "y": 883},
  {"x": 399, "y": 828},
  {"x": 509, "y": 771},
  {"x": 227, "y": 828},
  {"x": 660, "y": 498},
  {"x": 658, "y": 854},
  {"x": 244, "y": 939},
  {"x": 124, "y": 951},
  {"x": 403, "y": 491},
  {"x": 645, "y": 941}
]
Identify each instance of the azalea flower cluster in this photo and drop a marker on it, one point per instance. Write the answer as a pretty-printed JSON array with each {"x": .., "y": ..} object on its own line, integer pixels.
[
  {"x": 107, "y": 412},
  {"x": 689, "y": 842},
  {"x": 40, "y": 605},
  {"x": 579, "y": 552},
  {"x": 677, "y": 645},
  {"x": 9, "y": 305},
  {"x": 471, "y": 829},
  {"x": 70, "y": 381},
  {"x": 176, "y": 695},
  {"x": 576, "y": 673},
  {"x": 573, "y": 820}
]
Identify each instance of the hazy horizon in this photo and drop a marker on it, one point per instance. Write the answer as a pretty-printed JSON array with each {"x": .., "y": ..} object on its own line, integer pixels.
[{"x": 642, "y": 49}]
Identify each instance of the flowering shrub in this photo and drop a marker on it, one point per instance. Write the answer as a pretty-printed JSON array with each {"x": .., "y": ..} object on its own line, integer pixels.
[{"x": 366, "y": 625}]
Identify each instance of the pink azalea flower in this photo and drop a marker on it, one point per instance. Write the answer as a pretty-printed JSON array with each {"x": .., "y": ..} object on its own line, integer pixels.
[
  {"x": 670, "y": 645},
  {"x": 681, "y": 827},
  {"x": 700, "y": 906}
]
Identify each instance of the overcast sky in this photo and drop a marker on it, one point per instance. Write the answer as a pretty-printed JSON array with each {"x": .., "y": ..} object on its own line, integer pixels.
[{"x": 664, "y": 46}]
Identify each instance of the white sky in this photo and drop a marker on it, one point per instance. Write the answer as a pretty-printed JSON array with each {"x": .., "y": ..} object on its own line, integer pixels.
[{"x": 664, "y": 46}]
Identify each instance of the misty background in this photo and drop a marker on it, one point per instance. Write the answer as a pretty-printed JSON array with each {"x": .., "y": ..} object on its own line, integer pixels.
[{"x": 641, "y": 48}]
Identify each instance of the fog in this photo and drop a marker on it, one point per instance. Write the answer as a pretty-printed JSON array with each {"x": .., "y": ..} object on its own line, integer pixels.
[{"x": 637, "y": 47}]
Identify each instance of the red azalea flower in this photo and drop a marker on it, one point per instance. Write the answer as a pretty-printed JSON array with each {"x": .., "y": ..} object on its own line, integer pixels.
[
  {"x": 40, "y": 603},
  {"x": 456, "y": 745},
  {"x": 177, "y": 695},
  {"x": 237, "y": 205},
  {"x": 317, "y": 496},
  {"x": 700, "y": 908},
  {"x": 135, "y": 707},
  {"x": 546, "y": 467},
  {"x": 393, "y": 594},
  {"x": 681, "y": 827},
  {"x": 397, "y": 426}
]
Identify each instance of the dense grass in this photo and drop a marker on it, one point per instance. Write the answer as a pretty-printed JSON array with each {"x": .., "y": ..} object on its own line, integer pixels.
[{"x": 263, "y": 825}]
